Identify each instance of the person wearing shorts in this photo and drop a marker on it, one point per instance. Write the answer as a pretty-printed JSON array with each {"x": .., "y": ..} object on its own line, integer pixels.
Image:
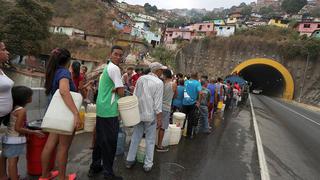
[{"x": 169, "y": 91}]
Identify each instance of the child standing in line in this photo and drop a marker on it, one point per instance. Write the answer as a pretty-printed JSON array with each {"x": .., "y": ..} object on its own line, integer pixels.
[{"x": 14, "y": 140}]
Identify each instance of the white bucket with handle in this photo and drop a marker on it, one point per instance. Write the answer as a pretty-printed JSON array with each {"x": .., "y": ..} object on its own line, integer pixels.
[
  {"x": 129, "y": 110},
  {"x": 178, "y": 118}
]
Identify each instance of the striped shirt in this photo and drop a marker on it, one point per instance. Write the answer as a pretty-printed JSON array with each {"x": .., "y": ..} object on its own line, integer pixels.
[{"x": 149, "y": 90}]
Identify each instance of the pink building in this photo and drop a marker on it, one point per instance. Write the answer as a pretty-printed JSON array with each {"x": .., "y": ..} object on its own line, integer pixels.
[
  {"x": 202, "y": 29},
  {"x": 173, "y": 34},
  {"x": 307, "y": 27}
]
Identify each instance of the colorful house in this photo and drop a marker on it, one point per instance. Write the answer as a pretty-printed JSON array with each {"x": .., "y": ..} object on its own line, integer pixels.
[
  {"x": 219, "y": 22},
  {"x": 225, "y": 31},
  {"x": 202, "y": 29},
  {"x": 173, "y": 34},
  {"x": 234, "y": 18},
  {"x": 307, "y": 28},
  {"x": 316, "y": 34},
  {"x": 152, "y": 38},
  {"x": 279, "y": 23}
]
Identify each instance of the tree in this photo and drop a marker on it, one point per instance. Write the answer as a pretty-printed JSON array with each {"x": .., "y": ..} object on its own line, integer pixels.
[
  {"x": 150, "y": 9},
  {"x": 293, "y": 6},
  {"x": 246, "y": 11},
  {"x": 267, "y": 12},
  {"x": 24, "y": 26}
]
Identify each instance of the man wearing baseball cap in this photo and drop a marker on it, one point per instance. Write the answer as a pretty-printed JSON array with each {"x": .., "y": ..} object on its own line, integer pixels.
[{"x": 149, "y": 90}]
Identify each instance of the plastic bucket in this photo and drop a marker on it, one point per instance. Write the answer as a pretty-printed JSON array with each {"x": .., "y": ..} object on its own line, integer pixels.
[
  {"x": 35, "y": 146},
  {"x": 129, "y": 110},
  {"x": 178, "y": 118}
]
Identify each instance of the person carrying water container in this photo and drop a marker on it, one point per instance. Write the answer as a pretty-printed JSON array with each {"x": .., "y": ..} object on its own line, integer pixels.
[
  {"x": 107, "y": 126},
  {"x": 149, "y": 90}
]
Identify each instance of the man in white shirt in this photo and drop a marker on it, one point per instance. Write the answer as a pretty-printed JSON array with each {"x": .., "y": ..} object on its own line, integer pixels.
[{"x": 149, "y": 90}]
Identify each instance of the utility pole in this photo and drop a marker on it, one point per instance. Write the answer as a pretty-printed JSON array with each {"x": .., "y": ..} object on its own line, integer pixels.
[{"x": 304, "y": 77}]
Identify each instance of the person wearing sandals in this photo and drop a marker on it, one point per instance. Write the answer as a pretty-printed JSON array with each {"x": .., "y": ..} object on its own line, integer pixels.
[
  {"x": 59, "y": 77},
  {"x": 169, "y": 92},
  {"x": 14, "y": 140}
]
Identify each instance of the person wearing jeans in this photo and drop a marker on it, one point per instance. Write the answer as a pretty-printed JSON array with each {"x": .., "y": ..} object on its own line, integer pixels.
[
  {"x": 149, "y": 90},
  {"x": 204, "y": 112},
  {"x": 190, "y": 101}
]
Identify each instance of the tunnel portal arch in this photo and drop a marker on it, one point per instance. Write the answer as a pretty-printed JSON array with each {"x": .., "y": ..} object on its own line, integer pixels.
[{"x": 288, "y": 80}]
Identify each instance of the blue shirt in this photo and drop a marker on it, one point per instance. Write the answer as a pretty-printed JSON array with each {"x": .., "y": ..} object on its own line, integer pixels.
[
  {"x": 61, "y": 73},
  {"x": 212, "y": 89},
  {"x": 192, "y": 89},
  {"x": 177, "y": 102}
]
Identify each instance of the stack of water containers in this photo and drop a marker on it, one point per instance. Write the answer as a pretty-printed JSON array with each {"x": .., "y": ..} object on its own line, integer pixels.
[
  {"x": 173, "y": 134},
  {"x": 90, "y": 118}
]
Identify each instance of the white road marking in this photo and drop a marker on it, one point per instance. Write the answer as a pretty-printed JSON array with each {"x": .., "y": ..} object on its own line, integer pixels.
[
  {"x": 289, "y": 109},
  {"x": 264, "y": 172}
]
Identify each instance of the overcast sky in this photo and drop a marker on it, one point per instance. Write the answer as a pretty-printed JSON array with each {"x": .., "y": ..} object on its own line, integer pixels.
[{"x": 207, "y": 4}]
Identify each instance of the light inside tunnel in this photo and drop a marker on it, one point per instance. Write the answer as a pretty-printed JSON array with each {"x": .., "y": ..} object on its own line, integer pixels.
[{"x": 265, "y": 78}]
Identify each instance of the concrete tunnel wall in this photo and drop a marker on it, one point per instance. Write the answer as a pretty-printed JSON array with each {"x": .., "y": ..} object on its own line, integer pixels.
[{"x": 288, "y": 92}]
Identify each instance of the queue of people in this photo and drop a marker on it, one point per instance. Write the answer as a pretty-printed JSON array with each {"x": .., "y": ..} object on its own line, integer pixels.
[{"x": 159, "y": 93}]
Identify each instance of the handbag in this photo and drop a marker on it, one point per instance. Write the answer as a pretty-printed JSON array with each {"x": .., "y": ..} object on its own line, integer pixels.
[{"x": 58, "y": 118}]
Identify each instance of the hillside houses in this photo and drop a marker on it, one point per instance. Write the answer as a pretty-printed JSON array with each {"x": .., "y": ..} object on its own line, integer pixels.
[{"x": 308, "y": 27}]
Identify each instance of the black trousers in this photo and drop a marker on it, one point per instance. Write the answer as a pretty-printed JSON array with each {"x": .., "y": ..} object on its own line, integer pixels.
[
  {"x": 106, "y": 144},
  {"x": 190, "y": 116}
]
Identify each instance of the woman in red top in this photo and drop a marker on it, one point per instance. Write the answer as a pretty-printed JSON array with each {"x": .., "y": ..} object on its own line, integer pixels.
[{"x": 76, "y": 76}]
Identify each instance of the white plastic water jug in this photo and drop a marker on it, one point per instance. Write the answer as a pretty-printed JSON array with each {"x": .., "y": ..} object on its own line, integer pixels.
[
  {"x": 58, "y": 118},
  {"x": 129, "y": 110},
  {"x": 166, "y": 138},
  {"x": 175, "y": 134}
]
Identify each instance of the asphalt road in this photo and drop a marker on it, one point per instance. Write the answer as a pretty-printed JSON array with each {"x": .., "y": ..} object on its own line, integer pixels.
[
  {"x": 290, "y": 137},
  {"x": 229, "y": 153}
]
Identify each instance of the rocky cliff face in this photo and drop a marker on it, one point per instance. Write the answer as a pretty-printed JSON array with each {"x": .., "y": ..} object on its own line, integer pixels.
[{"x": 218, "y": 57}]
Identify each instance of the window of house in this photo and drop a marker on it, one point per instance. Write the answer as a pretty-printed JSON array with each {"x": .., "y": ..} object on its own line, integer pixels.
[
  {"x": 277, "y": 21},
  {"x": 318, "y": 25},
  {"x": 200, "y": 27},
  {"x": 208, "y": 26},
  {"x": 170, "y": 35},
  {"x": 228, "y": 28},
  {"x": 220, "y": 28},
  {"x": 306, "y": 25}
]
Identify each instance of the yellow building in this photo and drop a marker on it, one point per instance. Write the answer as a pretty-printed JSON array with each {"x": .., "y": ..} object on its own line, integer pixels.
[{"x": 278, "y": 23}]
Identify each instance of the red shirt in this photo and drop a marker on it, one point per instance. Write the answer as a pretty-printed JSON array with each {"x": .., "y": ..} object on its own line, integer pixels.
[
  {"x": 134, "y": 79},
  {"x": 76, "y": 81}
]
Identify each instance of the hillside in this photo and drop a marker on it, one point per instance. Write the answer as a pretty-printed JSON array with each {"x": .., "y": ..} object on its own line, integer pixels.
[{"x": 94, "y": 17}]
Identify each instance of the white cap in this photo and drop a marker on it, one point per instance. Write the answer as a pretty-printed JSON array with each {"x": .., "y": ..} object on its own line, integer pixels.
[{"x": 155, "y": 66}]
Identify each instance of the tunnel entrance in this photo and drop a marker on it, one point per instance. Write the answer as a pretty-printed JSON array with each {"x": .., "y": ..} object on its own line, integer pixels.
[
  {"x": 267, "y": 75},
  {"x": 265, "y": 78}
]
